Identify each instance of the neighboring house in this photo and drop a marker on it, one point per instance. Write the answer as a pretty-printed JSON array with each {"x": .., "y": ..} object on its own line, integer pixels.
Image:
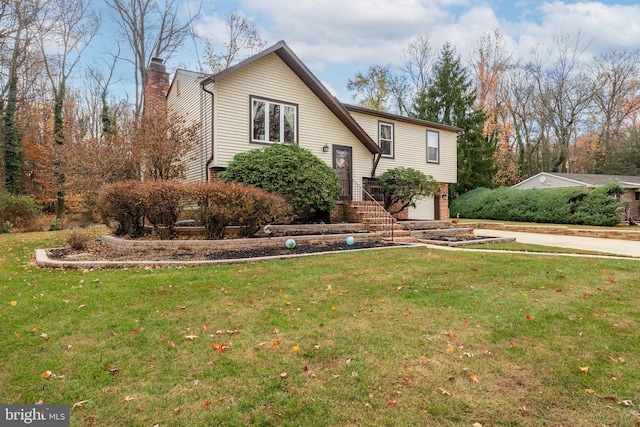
[
  {"x": 631, "y": 184},
  {"x": 272, "y": 97}
]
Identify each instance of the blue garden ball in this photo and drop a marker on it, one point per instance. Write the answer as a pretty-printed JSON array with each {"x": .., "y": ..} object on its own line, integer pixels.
[
  {"x": 350, "y": 240},
  {"x": 290, "y": 243}
]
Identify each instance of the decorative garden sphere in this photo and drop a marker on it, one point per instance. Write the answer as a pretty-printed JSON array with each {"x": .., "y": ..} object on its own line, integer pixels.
[
  {"x": 290, "y": 243},
  {"x": 350, "y": 240}
]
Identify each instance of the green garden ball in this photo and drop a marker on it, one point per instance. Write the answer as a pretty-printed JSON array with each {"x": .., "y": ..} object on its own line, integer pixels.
[
  {"x": 290, "y": 243},
  {"x": 350, "y": 240}
]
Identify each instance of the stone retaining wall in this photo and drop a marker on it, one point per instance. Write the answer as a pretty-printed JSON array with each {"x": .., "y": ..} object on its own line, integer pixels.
[{"x": 231, "y": 244}]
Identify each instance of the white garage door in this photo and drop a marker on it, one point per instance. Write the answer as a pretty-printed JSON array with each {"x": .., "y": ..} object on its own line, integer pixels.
[{"x": 424, "y": 210}]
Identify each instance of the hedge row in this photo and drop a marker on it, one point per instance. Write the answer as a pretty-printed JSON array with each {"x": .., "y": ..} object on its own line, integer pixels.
[
  {"x": 555, "y": 205},
  {"x": 131, "y": 204}
]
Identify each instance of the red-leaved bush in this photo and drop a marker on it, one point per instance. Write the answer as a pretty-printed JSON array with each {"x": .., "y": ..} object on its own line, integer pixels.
[
  {"x": 124, "y": 203},
  {"x": 223, "y": 203},
  {"x": 164, "y": 201},
  {"x": 220, "y": 204}
]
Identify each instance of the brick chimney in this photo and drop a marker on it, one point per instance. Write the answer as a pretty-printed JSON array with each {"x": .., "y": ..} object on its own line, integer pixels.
[{"x": 156, "y": 88}]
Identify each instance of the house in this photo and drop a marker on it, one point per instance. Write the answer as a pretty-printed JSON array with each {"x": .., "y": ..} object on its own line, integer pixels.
[
  {"x": 631, "y": 185},
  {"x": 272, "y": 97}
]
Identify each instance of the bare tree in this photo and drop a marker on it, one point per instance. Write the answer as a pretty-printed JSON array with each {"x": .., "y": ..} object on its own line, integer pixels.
[
  {"x": 152, "y": 29},
  {"x": 244, "y": 40},
  {"x": 563, "y": 94},
  {"x": 418, "y": 62},
  {"x": 617, "y": 102},
  {"x": 68, "y": 29}
]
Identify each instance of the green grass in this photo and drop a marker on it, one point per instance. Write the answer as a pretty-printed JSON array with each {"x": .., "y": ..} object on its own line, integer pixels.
[
  {"x": 401, "y": 337},
  {"x": 526, "y": 247}
]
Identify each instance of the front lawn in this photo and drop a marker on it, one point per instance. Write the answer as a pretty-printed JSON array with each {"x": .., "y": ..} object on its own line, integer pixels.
[{"x": 407, "y": 336}]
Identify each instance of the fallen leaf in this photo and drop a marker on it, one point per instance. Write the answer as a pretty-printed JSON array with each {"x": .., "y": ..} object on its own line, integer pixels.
[
  {"x": 79, "y": 404},
  {"x": 171, "y": 344},
  {"x": 206, "y": 404},
  {"x": 190, "y": 337},
  {"x": 451, "y": 349},
  {"x": 625, "y": 403},
  {"x": 474, "y": 378},
  {"x": 220, "y": 347},
  {"x": 111, "y": 369},
  {"x": 47, "y": 374},
  {"x": 13, "y": 303},
  {"x": 283, "y": 375},
  {"x": 392, "y": 403},
  {"x": 476, "y": 425},
  {"x": 128, "y": 398},
  {"x": 177, "y": 410},
  {"x": 528, "y": 317},
  {"x": 295, "y": 348},
  {"x": 443, "y": 391},
  {"x": 590, "y": 391},
  {"x": 584, "y": 369}
]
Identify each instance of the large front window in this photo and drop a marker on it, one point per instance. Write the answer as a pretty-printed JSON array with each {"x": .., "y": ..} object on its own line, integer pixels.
[
  {"x": 385, "y": 138},
  {"x": 273, "y": 121},
  {"x": 433, "y": 147}
]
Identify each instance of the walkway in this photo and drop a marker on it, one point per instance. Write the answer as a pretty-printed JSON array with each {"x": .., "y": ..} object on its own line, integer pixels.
[{"x": 609, "y": 246}]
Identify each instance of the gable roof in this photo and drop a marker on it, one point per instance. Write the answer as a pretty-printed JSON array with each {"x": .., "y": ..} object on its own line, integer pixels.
[
  {"x": 590, "y": 180},
  {"x": 295, "y": 64}
]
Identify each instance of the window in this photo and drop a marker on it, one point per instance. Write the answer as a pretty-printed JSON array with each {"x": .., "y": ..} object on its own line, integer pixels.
[
  {"x": 385, "y": 138},
  {"x": 273, "y": 121},
  {"x": 433, "y": 147}
]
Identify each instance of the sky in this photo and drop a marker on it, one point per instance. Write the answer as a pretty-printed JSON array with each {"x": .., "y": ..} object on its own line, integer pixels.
[{"x": 338, "y": 38}]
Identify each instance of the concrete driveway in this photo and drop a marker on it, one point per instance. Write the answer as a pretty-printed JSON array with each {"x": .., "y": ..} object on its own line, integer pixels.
[{"x": 609, "y": 246}]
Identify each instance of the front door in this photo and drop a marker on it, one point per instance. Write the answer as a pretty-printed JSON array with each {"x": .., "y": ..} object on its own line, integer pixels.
[{"x": 342, "y": 163}]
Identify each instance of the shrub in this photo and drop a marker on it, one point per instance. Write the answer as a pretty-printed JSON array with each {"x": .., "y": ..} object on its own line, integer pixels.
[
  {"x": 55, "y": 224},
  {"x": 222, "y": 204},
  {"x": 403, "y": 187},
  {"x": 78, "y": 241},
  {"x": 124, "y": 203},
  {"x": 556, "y": 205},
  {"x": 163, "y": 204},
  {"x": 308, "y": 184},
  {"x": 18, "y": 211},
  {"x": 601, "y": 207}
]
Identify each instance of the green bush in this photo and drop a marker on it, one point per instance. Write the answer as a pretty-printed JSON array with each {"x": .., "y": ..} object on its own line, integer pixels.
[
  {"x": 402, "y": 187},
  {"x": 556, "y": 205},
  {"x": 17, "y": 212},
  {"x": 222, "y": 204},
  {"x": 306, "y": 182},
  {"x": 55, "y": 224}
]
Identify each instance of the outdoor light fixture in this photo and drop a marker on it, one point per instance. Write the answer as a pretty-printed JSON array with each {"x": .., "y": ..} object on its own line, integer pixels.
[
  {"x": 325, "y": 148},
  {"x": 445, "y": 196}
]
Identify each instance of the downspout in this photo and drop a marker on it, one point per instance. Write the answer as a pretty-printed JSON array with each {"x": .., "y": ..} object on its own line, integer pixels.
[
  {"x": 376, "y": 160},
  {"x": 212, "y": 122}
]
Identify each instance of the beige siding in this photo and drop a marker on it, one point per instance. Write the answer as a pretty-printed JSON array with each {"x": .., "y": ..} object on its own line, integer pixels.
[
  {"x": 187, "y": 97},
  {"x": 410, "y": 148},
  {"x": 271, "y": 78}
]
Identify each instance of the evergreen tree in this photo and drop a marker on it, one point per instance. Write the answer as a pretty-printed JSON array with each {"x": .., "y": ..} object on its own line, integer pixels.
[
  {"x": 13, "y": 149},
  {"x": 450, "y": 99}
]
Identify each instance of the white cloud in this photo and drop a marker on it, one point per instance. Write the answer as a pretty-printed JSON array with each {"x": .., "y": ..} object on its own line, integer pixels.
[{"x": 335, "y": 38}]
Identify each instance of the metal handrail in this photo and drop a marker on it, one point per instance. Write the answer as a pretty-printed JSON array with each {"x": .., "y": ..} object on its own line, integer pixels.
[{"x": 388, "y": 224}]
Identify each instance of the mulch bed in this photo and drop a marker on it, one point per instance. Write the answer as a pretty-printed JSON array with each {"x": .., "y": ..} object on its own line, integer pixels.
[{"x": 104, "y": 253}]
